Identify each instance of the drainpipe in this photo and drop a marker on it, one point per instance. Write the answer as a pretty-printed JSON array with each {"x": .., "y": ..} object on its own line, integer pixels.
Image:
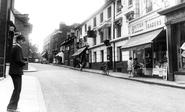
[{"x": 114, "y": 64}]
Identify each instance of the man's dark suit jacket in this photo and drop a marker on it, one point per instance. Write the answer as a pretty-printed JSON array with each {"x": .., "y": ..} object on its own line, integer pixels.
[{"x": 16, "y": 60}]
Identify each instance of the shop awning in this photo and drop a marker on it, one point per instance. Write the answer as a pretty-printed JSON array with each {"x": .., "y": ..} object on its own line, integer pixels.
[
  {"x": 141, "y": 41},
  {"x": 79, "y": 51},
  {"x": 43, "y": 53},
  {"x": 60, "y": 54}
]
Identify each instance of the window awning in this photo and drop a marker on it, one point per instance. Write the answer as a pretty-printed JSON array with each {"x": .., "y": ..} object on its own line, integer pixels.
[
  {"x": 142, "y": 41},
  {"x": 60, "y": 54},
  {"x": 79, "y": 51}
]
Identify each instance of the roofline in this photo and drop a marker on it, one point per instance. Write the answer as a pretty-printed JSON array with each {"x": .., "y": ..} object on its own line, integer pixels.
[{"x": 96, "y": 12}]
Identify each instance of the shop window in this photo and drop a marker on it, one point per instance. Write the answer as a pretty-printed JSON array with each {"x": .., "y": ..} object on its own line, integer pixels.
[
  {"x": 125, "y": 55},
  {"x": 160, "y": 52},
  {"x": 95, "y": 57},
  {"x": 109, "y": 12},
  {"x": 101, "y": 17},
  {"x": 119, "y": 54},
  {"x": 149, "y": 6},
  {"x": 182, "y": 48},
  {"x": 102, "y": 55}
]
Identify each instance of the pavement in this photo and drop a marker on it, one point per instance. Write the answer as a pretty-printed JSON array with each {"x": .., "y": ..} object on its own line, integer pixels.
[
  {"x": 146, "y": 79},
  {"x": 32, "y": 100}
]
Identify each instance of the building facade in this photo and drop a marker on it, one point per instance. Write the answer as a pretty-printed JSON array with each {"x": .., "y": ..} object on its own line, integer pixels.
[
  {"x": 133, "y": 28},
  {"x": 6, "y": 7}
]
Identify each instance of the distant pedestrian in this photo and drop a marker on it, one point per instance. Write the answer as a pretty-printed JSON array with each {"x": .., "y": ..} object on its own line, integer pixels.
[
  {"x": 16, "y": 71},
  {"x": 129, "y": 68}
]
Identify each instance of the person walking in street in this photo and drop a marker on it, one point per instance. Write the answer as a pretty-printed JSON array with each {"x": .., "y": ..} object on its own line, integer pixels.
[
  {"x": 136, "y": 66},
  {"x": 17, "y": 62},
  {"x": 129, "y": 68}
]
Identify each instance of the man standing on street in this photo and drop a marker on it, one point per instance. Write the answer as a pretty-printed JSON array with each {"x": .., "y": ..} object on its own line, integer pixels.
[{"x": 16, "y": 71}]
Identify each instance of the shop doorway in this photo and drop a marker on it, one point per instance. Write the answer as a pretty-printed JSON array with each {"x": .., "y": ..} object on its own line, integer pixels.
[{"x": 109, "y": 57}]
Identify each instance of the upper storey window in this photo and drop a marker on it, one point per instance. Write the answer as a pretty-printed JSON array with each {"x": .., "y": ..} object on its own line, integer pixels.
[
  {"x": 118, "y": 6},
  {"x": 101, "y": 17},
  {"x": 109, "y": 12},
  {"x": 130, "y": 2},
  {"x": 149, "y": 6},
  {"x": 94, "y": 23}
]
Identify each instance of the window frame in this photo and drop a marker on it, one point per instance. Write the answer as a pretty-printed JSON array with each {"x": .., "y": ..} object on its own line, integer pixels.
[
  {"x": 130, "y": 2},
  {"x": 118, "y": 2},
  {"x": 102, "y": 55},
  {"x": 101, "y": 17},
  {"x": 94, "y": 21},
  {"x": 119, "y": 54},
  {"x": 85, "y": 28},
  {"x": 109, "y": 12},
  {"x": 149, "y": 6},
  {"x": 118, "y": 30},
  {"x": 95, "y": 57},
  {"x": 101, "y": 36}
]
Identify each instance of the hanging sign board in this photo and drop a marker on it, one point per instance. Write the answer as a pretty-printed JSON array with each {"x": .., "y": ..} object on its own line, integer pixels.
[{"x": 183, "y": 46}]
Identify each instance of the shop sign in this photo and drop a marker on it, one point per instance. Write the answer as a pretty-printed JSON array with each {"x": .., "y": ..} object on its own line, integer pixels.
[
  {"x": 147, "y": 24},
  {"x": 137, "y": 27},
  {"x": 175, "y": 15},
  {"x": 154, "y": 23}
]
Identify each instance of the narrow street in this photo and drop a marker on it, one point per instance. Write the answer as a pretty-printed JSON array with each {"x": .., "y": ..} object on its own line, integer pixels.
[{"x": 67, "y": 90}]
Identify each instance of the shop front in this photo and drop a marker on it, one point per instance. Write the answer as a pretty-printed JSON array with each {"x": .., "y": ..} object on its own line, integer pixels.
[
  {"x": 175, "y": 23},
  {"x": 149, "y": 48}
]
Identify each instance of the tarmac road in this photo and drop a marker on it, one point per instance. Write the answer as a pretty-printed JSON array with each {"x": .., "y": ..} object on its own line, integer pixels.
[{"x": 67, "y": 90}]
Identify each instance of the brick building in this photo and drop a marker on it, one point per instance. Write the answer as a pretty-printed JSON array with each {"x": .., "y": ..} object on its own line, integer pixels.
[{"x": 25, "y": 28}]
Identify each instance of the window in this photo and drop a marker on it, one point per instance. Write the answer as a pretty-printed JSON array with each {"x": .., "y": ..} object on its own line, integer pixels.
[
  {"x": 95, "y": 60},
  {"x": 118, "y": 6},
  {"x": 109, "y": 33},
  {"x": 101, "y": 36},
  {"x": 94, "y": 40},
  {"x": 101, "y": 17},
  {"x": 102, "y": 56},
  {"x": 118, "y": 26},
  {"x": 119, "y": 53},
  {"x": 0, "y": 5},
  {"x": 94, "y": 24},
  {"x": 109, "y": 12},
  {"x": 85, "y": 27},
  {"x": 130, "y": 2},
  {"x": 148, "y": 6}
]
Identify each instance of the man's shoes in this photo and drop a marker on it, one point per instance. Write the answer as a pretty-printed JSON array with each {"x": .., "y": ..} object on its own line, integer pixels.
[{"x": 12, "y": 110}]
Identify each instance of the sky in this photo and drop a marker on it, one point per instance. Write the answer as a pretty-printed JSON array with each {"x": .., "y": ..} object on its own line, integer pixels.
[{"x": 46, "y": 15}]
